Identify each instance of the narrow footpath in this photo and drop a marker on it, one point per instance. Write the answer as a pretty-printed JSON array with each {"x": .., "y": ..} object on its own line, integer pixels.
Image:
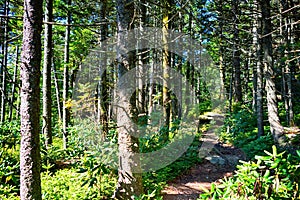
[{"x": 219, "y": 160}]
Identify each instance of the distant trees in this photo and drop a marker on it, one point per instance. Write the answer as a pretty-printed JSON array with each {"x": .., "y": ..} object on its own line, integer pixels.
[{"x": 258, "y": 65}]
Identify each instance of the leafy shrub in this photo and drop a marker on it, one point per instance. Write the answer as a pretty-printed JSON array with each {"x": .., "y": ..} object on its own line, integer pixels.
[
  {"x": 200, "y": 109},
  {"x": 98, "y": 175},
  {"x": 9, "y": 159},
  {"x": 8, "y": 192},
  {"x": 55, "y": 152},
  {"x": 9, "y": 134},
  {"x": 239, "y": 128},
  {"x": 67, "y": 184},
  {"x": 9, "y": 173},
  {"x": 273, "y": 176},
  {"x": 257, "y": 146},
  {"x": 148, "y": 196},
  {"x": 9, "y": 166},
  {"x": 296, "y": 108}
]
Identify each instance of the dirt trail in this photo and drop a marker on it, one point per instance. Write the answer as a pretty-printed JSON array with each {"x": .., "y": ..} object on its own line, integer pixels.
[{"x": 219, "y": 161}]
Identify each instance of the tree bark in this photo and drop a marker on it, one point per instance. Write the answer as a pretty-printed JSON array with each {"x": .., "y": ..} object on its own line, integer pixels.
[
  {"x": 129, "y": 179},
  {"x": 104, "y": 93},
  {"x": 287, "y": 72},
  {"x": 165, "y": 65},
  {"x": 236, "y": 62},
  {"x": 59, "y": 107},
  {"x": 47, "y": 101},
  {"x": 30, "y": 161},
  {"x": 259, "y": 75},
  {"x": 4, "y": 63},
  {"x": 188, "y": 75},
  {"x": 66, "y": 81},
  {"x": 14, "y": 83},
  {"x": 270, "y": 74}
]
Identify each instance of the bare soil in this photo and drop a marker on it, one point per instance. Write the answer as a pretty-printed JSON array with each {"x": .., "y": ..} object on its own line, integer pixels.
[{"x": 188, "y": 186}]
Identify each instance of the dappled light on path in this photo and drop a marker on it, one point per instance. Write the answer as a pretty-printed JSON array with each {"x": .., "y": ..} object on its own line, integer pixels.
[{"x": 189, "y": 185}]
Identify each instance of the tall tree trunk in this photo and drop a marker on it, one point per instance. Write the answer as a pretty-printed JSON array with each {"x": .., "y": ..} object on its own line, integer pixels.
[
  {"x": 222, "y": 68},
  {"x": 59, "y": 108},
  {"x": 188, "y": 75},
  {"x": 259, "y": 75},
  {"x": 236, "y": 62},
  {"x": 129, "y": 179},
  {"x": 179, "y": 70},
  {"x": 165, "y": 65},
  {"x": 230, "y": 95},
  {"x": 47, "y": 102},
  {"x": 151, "y": 91},
  {"x": 287, "y": 74},
  {"x": 104, "y": 78},
  {"x": 66, "y": 81},
  {"x": 4, "y": 63},
  {"x": 30, "y": 160},
  {"x": 270, "y": 74},
  {"x": 2, "y": 40},
  {"x": 141, "y": 10},
  {"x": 14, "y": 83},
  {"x": 222, "y": 73}
]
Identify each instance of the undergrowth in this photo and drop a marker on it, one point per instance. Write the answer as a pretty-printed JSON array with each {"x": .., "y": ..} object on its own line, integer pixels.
[{"x": 272, "y": 176}]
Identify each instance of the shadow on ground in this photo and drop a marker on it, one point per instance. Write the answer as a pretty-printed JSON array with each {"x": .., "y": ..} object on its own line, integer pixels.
[{"x": 221, "y": 161}]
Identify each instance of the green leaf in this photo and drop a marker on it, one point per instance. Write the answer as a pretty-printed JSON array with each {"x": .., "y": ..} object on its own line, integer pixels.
[
  {"x": 204, "y": 189},
  {"x": 213, "y": 187},
  {"x": 274, "y": 150},
  {"x": 85, "y": 182},
  {"x": 298, "y": 152},
  {"x": 268, "y": 153},
  {"x": 267, "y": 174},
  {"x": 82, "y": 170},
  {"x": 93, "y": 181}
]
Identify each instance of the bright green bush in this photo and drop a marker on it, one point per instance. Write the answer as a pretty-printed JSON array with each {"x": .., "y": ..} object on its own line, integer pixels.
[
  {"x": 67, "y": 184},
  {"x": 9, "y": 134},
  {"x": 9, "y": 177},
  {"x": 273, "y": 176},
  {"x": 257, "y": 146},
  {"x": 239, "y": 128},
  {"x": 8, "y": 192},
  {"x": 98, "y": 175}
]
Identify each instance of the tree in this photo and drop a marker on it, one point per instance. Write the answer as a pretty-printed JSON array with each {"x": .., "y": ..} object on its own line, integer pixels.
[
  {"x": 65, "y": 110},
  {"x": 129, "y": 181},
  {"x": 287, "y": 76},
  {"x": 30, "y": 165},
  {"x": 165, "y": 65},
  {"x": 4, "y": 63},
  {"x": 103, "y": 83},
  {"x": 47, "y": 74},
  {"x": 14, "y": 85},
  {"x": 258, "y": 75},
  {"x": 269, "y": 71},
  {"x": 236, "y": 54}
]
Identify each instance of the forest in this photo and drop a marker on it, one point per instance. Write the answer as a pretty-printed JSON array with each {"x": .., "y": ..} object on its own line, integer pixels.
[{"x": 143, "y": 99}]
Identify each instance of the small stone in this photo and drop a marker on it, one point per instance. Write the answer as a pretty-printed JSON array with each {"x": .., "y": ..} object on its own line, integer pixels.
[{"x": 215, "y": 160}]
